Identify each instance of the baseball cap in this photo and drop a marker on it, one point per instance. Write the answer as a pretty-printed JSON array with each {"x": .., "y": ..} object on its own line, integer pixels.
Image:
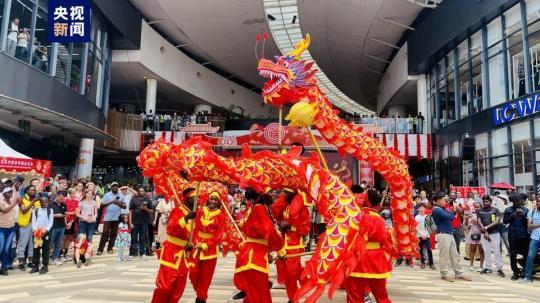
[
  {"x": 7, "y": 190},
  {"x": 19, "y": 178},
  {"x": 114, "y": 183},
  {"x": 4, "y": 180}
]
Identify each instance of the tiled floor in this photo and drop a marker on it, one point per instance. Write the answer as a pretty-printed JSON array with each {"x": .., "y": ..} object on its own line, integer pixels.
[{"x": 106, "y": 280}]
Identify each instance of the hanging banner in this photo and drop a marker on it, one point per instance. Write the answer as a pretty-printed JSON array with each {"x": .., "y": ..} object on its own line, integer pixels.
[{"x": 17, "y": 166}]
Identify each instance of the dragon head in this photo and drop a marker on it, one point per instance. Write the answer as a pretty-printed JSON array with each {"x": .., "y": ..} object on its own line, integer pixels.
[{"x": 289, "y": 77}]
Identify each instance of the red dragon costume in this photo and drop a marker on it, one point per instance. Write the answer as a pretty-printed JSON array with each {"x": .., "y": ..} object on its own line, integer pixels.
[
  {"x": 173, "y": 270},
  {"x": 252, "y": 267},
  {"x": 209, "y": 228},
  {"x": 293, "y": 218},
  {"x": 375, "y": 266}
]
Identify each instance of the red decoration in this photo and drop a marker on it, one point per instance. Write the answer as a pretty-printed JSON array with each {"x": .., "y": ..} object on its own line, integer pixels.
[
  {"x": 406, "y": 146},
  {"x": 428, "y": 146},
  {"x": 418, "y": 148},
  {"x": 19, "y": 165},
  {"x": 396, "y": 146}
]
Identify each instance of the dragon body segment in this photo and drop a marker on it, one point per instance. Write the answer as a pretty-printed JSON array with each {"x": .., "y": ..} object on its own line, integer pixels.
[
  {"x": 337, "y": 251},
  {"x": 291, "y": 81}
]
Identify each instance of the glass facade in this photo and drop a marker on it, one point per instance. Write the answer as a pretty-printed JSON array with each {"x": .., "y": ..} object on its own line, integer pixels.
[
  {"x": 81, "y": 66},
  {"x": 498, "y": 63}
]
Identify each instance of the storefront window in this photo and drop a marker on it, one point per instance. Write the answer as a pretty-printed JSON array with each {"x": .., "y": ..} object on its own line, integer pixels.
[
  {"x": 94, "y": 70},
  {"x": 41, "y": 46},
  {"x": 2, "y": 5},
  {"x": 496, "y": 62},
  {"x": 522, "y": 154},
  {"x": 19, "y": 40},
  {"x": 516, "y": 69},
  {"x": 450, "y": 89},
  {"x": 477, "y": 70},
  {"x": 533, "y": 21},
  {"x": 481, "y": 159},
  {"x": 499, "y": 142},
  {"x": 463, "y": 71}
]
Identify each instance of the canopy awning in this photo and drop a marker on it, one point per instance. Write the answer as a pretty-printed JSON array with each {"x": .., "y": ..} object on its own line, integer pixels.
[{"x": 49, "y": 120}]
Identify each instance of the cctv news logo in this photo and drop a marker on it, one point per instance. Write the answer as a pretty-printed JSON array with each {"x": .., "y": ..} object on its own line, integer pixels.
[{"x": 69, "y": 21}]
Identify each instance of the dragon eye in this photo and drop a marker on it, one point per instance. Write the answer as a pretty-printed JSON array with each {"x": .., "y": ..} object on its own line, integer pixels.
[{"x": 285, "y": 63}]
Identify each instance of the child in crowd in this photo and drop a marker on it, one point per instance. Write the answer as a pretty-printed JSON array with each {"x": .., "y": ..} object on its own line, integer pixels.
[
  {"x": 123, "y": 239},
  {"x": 423, "y": 236},
  {"x": 42, "y": 222},
  {"x": 86, "y": 250},
  {"x": 474, "y": 238}
]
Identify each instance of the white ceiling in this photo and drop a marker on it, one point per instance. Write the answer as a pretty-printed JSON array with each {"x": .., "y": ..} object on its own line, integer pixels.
[{"x": 344, "y": 34}]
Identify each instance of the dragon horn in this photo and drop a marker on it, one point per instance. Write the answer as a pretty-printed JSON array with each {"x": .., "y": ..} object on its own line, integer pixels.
[{"x": 301, "y": 46}]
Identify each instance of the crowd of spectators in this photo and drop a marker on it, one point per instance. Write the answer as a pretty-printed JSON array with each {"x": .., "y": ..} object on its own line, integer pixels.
[
  {"x": 391, "y": 124},
  {"x": 477, "y": 228},
  {"x": 173, "y": 121},
  {"x": 54, "y": 221},
  {"x": 20, "y": 46}
]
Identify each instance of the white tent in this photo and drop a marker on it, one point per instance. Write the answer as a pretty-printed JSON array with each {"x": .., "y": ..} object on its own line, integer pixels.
[{"x": 6, "y": 151}]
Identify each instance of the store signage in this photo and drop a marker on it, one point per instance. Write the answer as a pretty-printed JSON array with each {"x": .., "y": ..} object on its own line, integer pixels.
[
  {"x": 69, "y": 21},
  {"x": 516, "y": 109}
]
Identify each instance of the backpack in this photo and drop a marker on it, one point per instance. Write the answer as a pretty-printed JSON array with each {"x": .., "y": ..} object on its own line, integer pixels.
[
  {"x": 48, "y": 212},
  {"x": 431, "y": 227}
]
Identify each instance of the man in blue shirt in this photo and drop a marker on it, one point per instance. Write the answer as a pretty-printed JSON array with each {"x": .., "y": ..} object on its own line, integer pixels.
[
  {"x": 518, "y": 235},
  {"x": 113, "y": 201},
  {"x": 533, "y": 219},
  {"x": 445, "y": 237}
]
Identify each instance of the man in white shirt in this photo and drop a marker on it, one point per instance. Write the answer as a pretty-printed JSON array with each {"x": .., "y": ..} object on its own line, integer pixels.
[
  {"x": 42, "y": 218},
  {"x": 13, "y": 31}
]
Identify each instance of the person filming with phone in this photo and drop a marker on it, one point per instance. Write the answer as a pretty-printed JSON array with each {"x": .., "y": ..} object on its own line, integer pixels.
[
  {"x": 518, "y": 235},
  {"x": 113, "y": 202}
]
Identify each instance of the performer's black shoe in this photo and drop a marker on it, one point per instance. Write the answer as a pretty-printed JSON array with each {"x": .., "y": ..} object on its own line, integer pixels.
[
  {"x": 270, "y": 284},
  {"x": 239, "y": 295}
]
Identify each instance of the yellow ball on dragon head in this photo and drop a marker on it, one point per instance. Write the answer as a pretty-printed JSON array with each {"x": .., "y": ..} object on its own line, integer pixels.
[{"x": 302, "y": 114}]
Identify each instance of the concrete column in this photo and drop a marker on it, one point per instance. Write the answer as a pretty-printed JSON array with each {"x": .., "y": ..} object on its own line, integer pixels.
[
  {"x": 421, "y": 93},
  {"x": 84, "y": 161},
  {"x": 202, "y": 107},
  {"x": 151, "y": 93},
  {"x": 397, "y": 110}
]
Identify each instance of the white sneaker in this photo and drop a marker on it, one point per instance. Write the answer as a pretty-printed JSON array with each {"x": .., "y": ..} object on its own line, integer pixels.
[
  {"x": 525, "y": 280},
  {"x": 57, "y": 262},
  {"x": 119, "y": 260},
  {"x": 472, "y": 268},
  {"x": 144, "y": 258}
]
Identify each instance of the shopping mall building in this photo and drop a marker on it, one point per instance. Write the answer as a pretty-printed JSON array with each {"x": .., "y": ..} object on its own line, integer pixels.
[
  {"x": 470, "y": 67},
  {"x": 481, "y": 61}
]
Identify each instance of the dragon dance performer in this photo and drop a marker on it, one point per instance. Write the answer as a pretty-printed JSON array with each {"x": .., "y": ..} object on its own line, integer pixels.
[
  {"x": 252, "y": 267},
  {"x": 375, "y": 266},
  {"x": 292, "y": 217},
  {"x": 209, "y": 227},
  {"x": 173, "y": 270}
]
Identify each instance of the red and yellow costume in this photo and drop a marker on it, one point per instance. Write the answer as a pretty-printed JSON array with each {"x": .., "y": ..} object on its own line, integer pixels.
[
  {"x": 376, "y": 264},
  {"x": 297, "y": 216},
  {"x": 210, "y": 226},
  {"x": 251, "y": 274},
  {"x": 173, "y": 269}
]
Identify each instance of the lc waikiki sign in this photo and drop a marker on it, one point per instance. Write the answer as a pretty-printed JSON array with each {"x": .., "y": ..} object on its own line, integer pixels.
[{"x": 516, "y": 109}]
